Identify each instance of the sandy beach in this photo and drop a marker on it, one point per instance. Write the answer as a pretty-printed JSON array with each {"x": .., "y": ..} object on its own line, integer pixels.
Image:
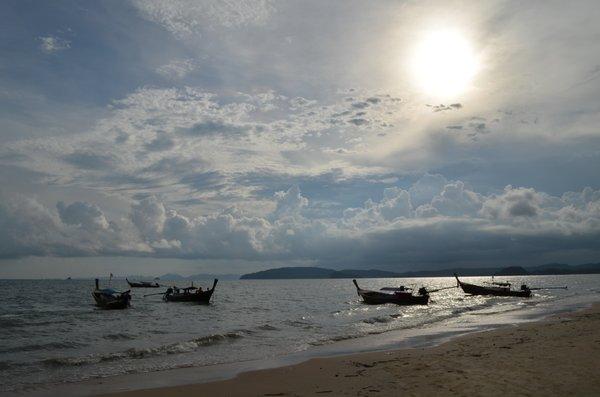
[{"x": 558, "y": 356}]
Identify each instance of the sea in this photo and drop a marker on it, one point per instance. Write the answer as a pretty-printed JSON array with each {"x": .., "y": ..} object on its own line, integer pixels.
[{"x": 52, "y": 334}]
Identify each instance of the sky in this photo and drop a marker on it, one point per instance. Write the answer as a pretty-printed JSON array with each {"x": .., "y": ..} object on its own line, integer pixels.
[{"x": 146, "y": 137}]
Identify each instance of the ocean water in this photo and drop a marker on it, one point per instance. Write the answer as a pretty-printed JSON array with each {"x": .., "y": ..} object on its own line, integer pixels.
[{"x": 51, "y": 332}]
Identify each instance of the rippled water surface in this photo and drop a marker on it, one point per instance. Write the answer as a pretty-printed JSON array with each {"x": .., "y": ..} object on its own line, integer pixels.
[{"x": 51, "y": 331}]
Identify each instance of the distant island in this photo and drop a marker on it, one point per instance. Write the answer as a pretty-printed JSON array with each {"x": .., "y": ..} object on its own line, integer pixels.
[{"x": 323, "y": 273}]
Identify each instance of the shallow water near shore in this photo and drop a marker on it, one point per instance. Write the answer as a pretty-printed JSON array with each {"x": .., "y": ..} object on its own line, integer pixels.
[{"x": 52, "y": 333}]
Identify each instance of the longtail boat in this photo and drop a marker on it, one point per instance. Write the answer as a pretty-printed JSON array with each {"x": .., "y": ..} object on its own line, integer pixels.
[
  {"x": 142, "y": 284},
  {"x": 189, "y": 294},
  {"x": 108, "y": 298},
  {"x": 400, "y": 296},
  {"x": 495, "y": 289}
]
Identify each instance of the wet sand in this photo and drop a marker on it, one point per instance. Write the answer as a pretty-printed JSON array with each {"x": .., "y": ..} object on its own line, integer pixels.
[{"x": 559, "y": 356}]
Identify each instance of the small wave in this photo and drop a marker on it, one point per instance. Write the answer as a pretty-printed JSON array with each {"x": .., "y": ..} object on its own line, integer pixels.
[
  {"x": 378, "y": 320},
  {"x": 301, "y": 324},
  {"x": 334, "y": 339},
  {"x": 11, "y": 322},
  {"x": 244, "y": 331},
  {"x": 69, "y": 361},
  {"x": 174, "y": 348},
  {"x": 159, "y": 332},
  {"x": 267, "y": 327},
  {"x": 119, "y": 336},
  {"x": 4, "y": 365},
  {"x": 42, "y": 346}
]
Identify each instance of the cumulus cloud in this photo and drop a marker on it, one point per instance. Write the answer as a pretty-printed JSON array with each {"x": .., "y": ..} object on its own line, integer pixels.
[
  {"x": 85, "y": 215},
  {"x": 149, "y": 216},
  {"x": 289, "y": 203},
  {"x": 77, "y": 229},
  {"x": 456, "y": 225},
  {"x": 519, "y": 202}
]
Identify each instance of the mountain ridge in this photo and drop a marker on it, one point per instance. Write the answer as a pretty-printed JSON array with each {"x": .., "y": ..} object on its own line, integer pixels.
[{"x": 325, "y": 273}]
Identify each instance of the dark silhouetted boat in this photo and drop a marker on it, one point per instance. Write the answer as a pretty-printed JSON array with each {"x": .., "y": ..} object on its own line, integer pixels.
[
  {"x": 189, "y": 294},
  {"x": 108, "y": 298},
  {"x": 399, "y": 296},
  {"x": 495, "y": 289},
  {"x": 142, "y": 284}
]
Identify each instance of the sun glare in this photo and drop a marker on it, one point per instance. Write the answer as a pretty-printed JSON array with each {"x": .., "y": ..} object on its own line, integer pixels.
[{"x": 443, "y": 64}]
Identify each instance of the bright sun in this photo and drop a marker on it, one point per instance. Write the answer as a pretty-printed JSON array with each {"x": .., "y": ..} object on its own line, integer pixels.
[{"x": 443, "y": 64}]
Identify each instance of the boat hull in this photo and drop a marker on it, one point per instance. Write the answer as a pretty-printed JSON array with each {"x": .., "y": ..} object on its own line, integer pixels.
[
  {"x": 202, "y": 297},
  {"x": 473, "y": 289},
  {"x": 112, "y": 302},
  {"x": 376, "y": 298},
  {"x": 196, "y": 297},
  {"x": 399, "y": 298}
]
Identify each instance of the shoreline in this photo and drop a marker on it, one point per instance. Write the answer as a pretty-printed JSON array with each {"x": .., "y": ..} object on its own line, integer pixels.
[
  {"x": 430, "y": 336},
  {"x": 554, "y": 356}
]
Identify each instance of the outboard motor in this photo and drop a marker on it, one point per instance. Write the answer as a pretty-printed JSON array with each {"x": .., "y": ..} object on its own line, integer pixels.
[
  {"x": 524, "y": 287},
  {"x": 422, "y": 291},
  {"x": 97, "y": 284}
]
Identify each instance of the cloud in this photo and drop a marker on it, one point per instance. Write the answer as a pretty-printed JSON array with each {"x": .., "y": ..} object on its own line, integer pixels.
[
  {"x": 177, "y": 68},
  {"x": 214, "y": 128},
  {"x": 89, "y": 160},
  {"x": 185, "y": 17},
  {"x": 456, "y": 226},
  {"x": 79, "y": 229},
  {"x": 519, "y": 202},
  {"x": 85, "y": 215},
  {"x": 202, "y": 181},
  {"x": 289, "y": 203},
  {"x": 161, "y": 143},
  {"x": 53, "y": 44},
  {"x": 442, "y": 107},
  {"x": 360, "y": 105},
  {"x": 220, "y": 137},
  {"x": 357, "y": 121},
  {"x": 149, "y": 216}
]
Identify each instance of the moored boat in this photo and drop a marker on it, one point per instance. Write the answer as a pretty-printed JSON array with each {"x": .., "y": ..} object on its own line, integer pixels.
[
  {"x": 496, "y": 289},
  {"x": 108, "y": 298},
  {"x": 399, "y": 296},
  {"x": 142, "y": 284},
  {"x": 189, "y": 294}
]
